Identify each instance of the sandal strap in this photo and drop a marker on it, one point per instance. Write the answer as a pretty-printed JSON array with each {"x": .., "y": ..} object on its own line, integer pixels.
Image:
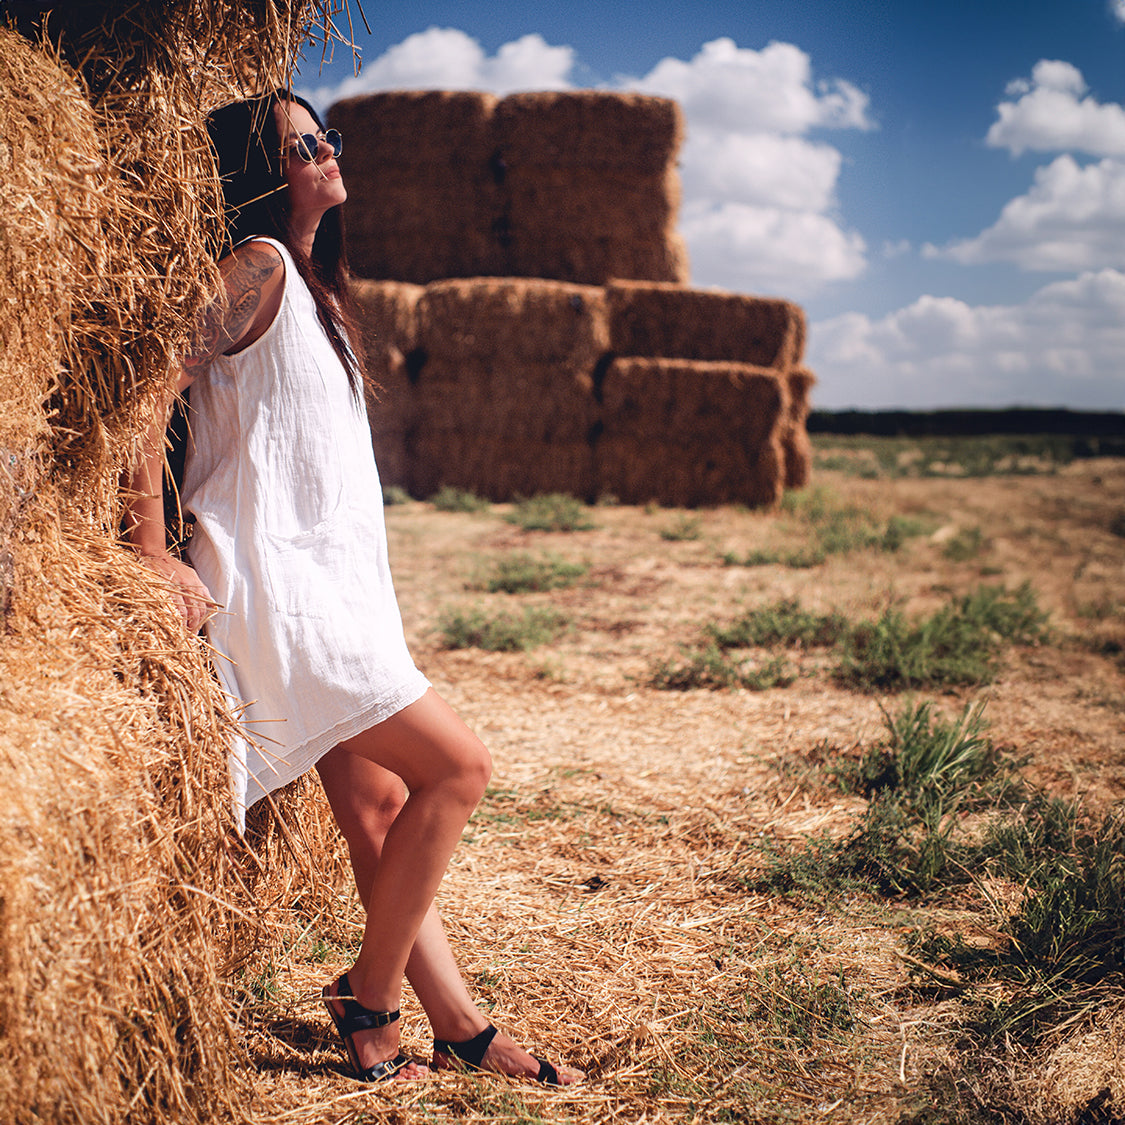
[
  {"x": 356, "y": 1017},
  {"x": 381, "y": 1071},
  {"x": 470, "y": 1051},
  {"x": 548, "y": 1075}
]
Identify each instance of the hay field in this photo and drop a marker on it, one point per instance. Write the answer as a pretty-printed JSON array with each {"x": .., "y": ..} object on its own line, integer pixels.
[{"x": 610, "y": 904}]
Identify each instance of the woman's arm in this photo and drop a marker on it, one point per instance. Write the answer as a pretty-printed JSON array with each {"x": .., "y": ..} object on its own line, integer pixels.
[
  {"x": 254, "y": 278},
  {"x": 145, "y": 528}
]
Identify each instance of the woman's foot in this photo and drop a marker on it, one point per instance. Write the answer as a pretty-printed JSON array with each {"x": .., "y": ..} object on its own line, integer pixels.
[
  {"x": 494, "y": 1051},
  {"x": 370, "y": 1037}
]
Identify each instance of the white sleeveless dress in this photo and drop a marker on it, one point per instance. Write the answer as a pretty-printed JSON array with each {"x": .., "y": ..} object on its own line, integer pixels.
[{"x": 290, "y": 540}]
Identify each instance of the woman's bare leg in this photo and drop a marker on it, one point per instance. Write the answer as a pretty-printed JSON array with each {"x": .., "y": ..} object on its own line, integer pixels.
[
  {"x": 445, "y": 768},
  {"x": 365, "y": 799}
]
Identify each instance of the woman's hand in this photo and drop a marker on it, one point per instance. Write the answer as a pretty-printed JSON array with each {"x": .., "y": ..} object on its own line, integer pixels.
[{"x": 193, "y": 599}]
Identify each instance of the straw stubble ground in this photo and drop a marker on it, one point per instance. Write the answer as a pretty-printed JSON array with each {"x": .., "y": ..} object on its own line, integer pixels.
[{"x": 602, "y": 902}]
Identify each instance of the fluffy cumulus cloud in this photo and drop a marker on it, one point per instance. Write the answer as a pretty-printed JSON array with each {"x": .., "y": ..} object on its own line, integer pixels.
[
  {"x": 739, "y": 90},
  {"x": 1054, "y": 112},
  {"x": 1064, "y": 346},
  {"x": 448, "y": 59},
  {"x": 1072, "y": 219},
  {"x": 758, "y": 189}
]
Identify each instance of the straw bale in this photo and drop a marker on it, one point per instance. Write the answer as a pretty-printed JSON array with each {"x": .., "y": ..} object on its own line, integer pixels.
[
  {"x": 677, "y": 323},
  {"x": 591, "y": 185},
  {"x": 387, "y": 312},
  {"x": 505, "y": 397},
  {"x": 795, "y": 435},
  {"x": 423, "y": 198},
  {"x": 560, "y": 225},
  {"x": 527, "y": 320},
  {"x": 113, "y": 855},
  {"x": 123, "y": 900},
  {"x": 690, "y": 432},
  {"x": 589, "y": 129}
]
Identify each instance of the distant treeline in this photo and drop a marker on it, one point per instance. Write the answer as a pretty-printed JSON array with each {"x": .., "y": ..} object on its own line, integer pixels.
[{"x": 1105, "y": 430}]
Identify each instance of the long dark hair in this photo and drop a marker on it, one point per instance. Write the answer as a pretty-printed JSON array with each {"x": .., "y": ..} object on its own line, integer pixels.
[{"x": 251, "y": 165}]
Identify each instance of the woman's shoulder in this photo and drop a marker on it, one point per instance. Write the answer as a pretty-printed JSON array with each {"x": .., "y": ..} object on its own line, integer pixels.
[
  {"x": 254, "y": 253},
  {"x": 254, "y": 275}
]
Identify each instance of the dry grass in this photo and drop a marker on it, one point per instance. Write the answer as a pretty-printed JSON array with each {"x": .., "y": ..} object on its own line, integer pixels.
[{"x": 600, "y": 903}]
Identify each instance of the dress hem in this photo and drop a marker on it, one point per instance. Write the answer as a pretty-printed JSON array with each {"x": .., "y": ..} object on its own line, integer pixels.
[{"x": 286, "y": 769}]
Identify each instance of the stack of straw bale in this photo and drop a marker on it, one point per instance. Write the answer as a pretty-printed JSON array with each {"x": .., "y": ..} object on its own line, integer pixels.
[
  {"x": 510, "y": 388},
  {"x": 577, "y": 187},
  {"x": 506, "y": 390},
  {"x": 640, "y": 390},
  {"x": 124, "y": 898}
]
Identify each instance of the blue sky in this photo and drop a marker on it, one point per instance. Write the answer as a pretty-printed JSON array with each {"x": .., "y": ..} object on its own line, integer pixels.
[{"x": 940, "y": 185}]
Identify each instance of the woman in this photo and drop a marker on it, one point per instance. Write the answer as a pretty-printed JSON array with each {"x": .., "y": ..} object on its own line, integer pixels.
[{"x": 289, "y": 540}]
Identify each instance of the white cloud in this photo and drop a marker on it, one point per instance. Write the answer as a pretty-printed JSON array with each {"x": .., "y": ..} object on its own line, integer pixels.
[
  {"x": 448, "y": 59},
  {"x": 1053, "y": 112},
  {"x": 760, "y": 168},
  {"x": 1072, "y": 219},
  {"x": 738, "y": 90},
  {"x": 1117, "y": 10},
  {"x": 1063, "y": 346},
  {"x": 896, "y": 248},
  {"x": 768, "y": 250},
  {"x": 758, "y": 192}
]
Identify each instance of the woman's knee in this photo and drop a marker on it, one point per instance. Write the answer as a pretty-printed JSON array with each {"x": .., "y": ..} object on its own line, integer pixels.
[{"x": 470, "y": 768}]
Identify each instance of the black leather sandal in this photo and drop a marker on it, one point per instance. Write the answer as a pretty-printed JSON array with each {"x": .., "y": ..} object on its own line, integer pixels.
[
  {"x": 471, "y": 1052},
  {"x": 358, "y": 1018}
]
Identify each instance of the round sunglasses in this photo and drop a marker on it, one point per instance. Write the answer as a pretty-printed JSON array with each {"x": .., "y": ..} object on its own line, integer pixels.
[{"x": 307, "y": 145}]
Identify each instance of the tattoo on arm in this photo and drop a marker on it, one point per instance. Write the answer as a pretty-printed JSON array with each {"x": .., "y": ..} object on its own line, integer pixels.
[{"x": 225, "y": 322}]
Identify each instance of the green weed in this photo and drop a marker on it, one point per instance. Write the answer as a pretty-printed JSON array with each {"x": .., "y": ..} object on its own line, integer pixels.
[
  {"x": 920, "y": 780},
  {"x": 967, "y": 544},
  {"x": 798, "y": 1006},
  {"x": 962, "y": 643},
  {"x": 1066, "y": 942},
  {"x": 925, "y": 754},
  {"x": 450, "y": 499},
  {"x": 554, "y": 511},
  {"x": 713, "y": 668},
  {"x": 681, "y": 529},
  {"x": 782, "y": 623},
  {"x": 522, "y": 572},
  {"x": 501, "y": 632},
  {"x": 393, "y": 494}
]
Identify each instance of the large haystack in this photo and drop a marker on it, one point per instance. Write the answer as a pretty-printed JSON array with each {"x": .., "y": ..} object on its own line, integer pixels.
[
  {"x": 464, "y": 193},
  {"x": 577, "y": 187},
  {"x": 510, "y": 386},
  {"x": 123, "y": 905}
]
